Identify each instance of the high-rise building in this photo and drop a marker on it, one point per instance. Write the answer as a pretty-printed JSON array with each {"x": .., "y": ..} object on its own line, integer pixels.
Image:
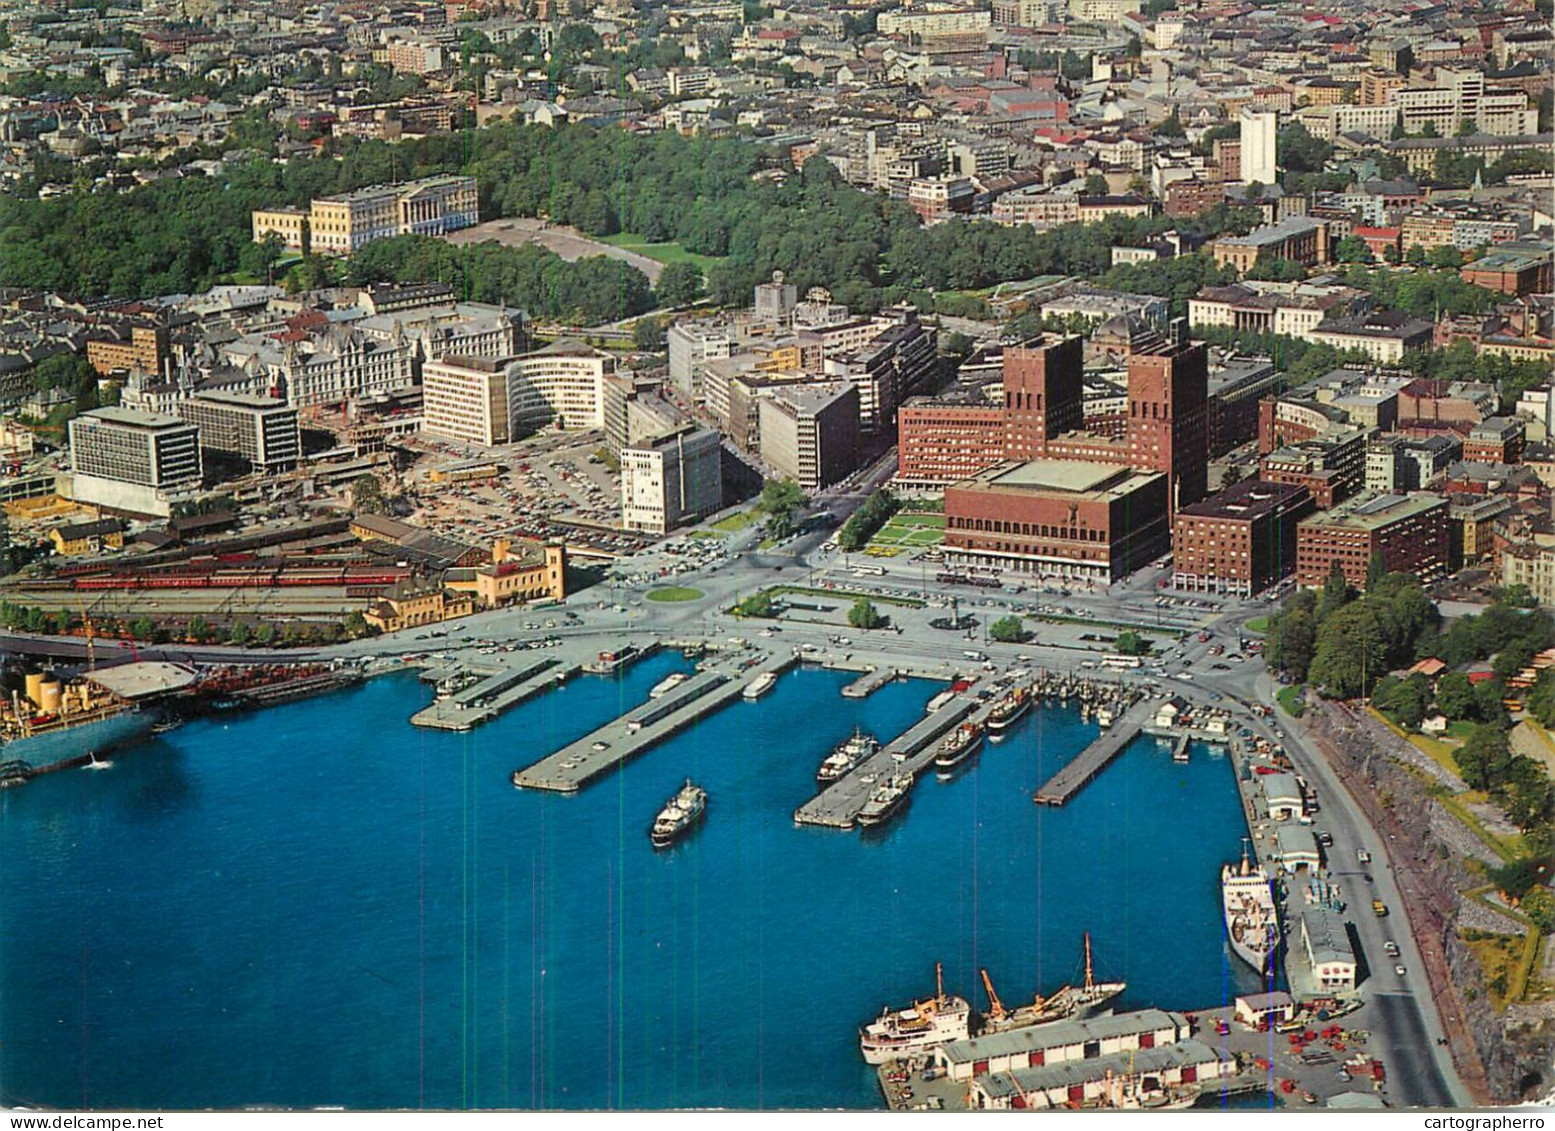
[
  {"x": 1260, "y": 128},
  {"x": 1044, "y": 394},
  {"x": 809, "y": 433},
  {"x": 776, "y": 300},
  {"x": 671, "y": 479},
  {"x": 1168, "y": 422},
  {"x": 261, "y": 431},
  {"x": 489, "y": 401},
  {"x": 133, "y": 461}
]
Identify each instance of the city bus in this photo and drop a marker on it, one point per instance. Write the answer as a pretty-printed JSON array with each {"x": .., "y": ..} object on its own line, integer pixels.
[{"x": 1120, "y": 663}]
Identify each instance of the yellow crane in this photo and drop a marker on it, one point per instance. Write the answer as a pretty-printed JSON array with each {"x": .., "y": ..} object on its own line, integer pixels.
[{"x": 995, "y": 1006}]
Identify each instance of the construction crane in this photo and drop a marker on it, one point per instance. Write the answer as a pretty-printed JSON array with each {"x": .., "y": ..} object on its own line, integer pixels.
[
  {"x": 995, "y": 1006},
  {"x": 86, "y": 622}
]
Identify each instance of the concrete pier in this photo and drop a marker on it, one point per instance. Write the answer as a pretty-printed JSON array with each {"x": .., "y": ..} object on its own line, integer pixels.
[
  {"x": 578, "y": 764},
  {"x": 869, "y": 683},
  {"x": 1095, "y": 757},
  {"x": 912, "y": 752},
  {"x": 488, "y": 697}
]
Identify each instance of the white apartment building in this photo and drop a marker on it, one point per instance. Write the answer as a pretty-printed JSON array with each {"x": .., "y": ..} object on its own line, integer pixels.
[{"x": 1260, "y": 130}]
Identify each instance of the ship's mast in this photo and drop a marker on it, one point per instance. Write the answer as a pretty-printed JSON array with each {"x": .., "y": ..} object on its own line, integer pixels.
[
  {"x": 1090, "y": 982},
  {"x": 939, "y": 982}
]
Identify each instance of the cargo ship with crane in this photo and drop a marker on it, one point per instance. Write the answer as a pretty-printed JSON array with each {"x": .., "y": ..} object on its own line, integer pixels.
[{"x": 1064, "y": 1004}]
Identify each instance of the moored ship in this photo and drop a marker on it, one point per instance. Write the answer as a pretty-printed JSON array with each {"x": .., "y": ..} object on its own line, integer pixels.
[
  {"x": 963, "y": 742},
  {"x": 1065, "y": 1003},
  {"x": 679, "y": 814},
  {"x": 888, "y": 799},
  {"x": 846, "y": 756},
  {"x": 1008, "y": 711},
  {"x": 1252, "y": 922},
  {"x": 759, "y": 686},
  {"x": 921, "y": 1025},
  {"x": 667, "y": 684},
  {"x": 56, "y": 723}
]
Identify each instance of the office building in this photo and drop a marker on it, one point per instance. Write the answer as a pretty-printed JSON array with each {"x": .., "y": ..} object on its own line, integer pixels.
[
  {"x": 489, "y": 401},
  {"x": 260, "y": 431},
  {"x": 136, "y": 462},
  {"x": 1409, "y": 531},
  {"x": 671, "y": 480},
  {"x": 1241, "y": 541},
  {"x": 809, "y": 433}
]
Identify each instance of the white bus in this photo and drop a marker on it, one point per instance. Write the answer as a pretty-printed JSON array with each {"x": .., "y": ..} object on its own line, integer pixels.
[{"x": 1120, "y": 663}]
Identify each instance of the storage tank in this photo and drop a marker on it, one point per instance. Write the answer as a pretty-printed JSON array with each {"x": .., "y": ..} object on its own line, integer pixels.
[
  {"x": 53, "y": 692},
  {"x": 35, "y": 688}
]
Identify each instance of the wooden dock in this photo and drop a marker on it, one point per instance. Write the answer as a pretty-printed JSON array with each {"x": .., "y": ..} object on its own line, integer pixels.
[
  {"x": 580, "y": 763},
  {"x": 1096, "y": 757},
  {"x": 837, "y": 806}
]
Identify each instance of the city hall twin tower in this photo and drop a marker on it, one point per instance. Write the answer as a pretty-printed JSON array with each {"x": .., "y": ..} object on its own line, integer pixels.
[{"x": 1028, "y": 489}]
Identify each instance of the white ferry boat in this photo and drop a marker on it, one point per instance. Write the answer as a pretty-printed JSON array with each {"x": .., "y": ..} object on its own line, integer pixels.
[{"x": 921, "y": 1025}]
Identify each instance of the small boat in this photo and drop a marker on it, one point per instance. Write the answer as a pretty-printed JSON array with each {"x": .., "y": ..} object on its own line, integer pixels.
[
  {"x": 94, "y": 764},
  {"x": 961, "y": 745},
  {"x": 847, "y": 755},
  {"x": 920, "y": 1026},
  {"x": 667, "y": 684},
  {"x": 167, "y": 725},
  {"x": 886, "y": 801},
  {"x": 1008, "y": 711},
  {"x": 759, "y": 686},
  {"x": 679, "y": 814}
]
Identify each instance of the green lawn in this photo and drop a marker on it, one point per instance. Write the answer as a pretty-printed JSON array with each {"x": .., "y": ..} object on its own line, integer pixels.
[
  {"x": 670, "y": 252},
  {"x": 737, "y": 521},
  {"x": 676, "y": 593},
  {"x": 1258, "y": 624},
  {"x": 908, "y": 531},
  {"x": 1290, "y": 699},
  {"x": 700, "y": 534}
]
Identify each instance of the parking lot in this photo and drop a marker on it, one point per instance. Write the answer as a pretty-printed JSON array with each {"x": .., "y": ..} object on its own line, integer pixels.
[{"x": 551, "y": 484}]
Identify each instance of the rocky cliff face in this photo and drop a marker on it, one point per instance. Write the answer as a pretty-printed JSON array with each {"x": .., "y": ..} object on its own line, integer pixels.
[{"x": 1501, "y": 1057}]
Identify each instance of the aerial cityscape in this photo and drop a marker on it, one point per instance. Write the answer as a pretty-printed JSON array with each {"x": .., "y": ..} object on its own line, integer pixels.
[{"x": 761, "y": 554}]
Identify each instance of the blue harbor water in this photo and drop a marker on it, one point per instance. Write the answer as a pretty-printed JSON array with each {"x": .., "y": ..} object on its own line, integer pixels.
[{"x": 320, "y": 904}]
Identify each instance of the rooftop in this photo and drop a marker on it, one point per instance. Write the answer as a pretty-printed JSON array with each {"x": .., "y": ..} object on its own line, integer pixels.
[
  {"x": 1371, "y": 512},
  {"x": 133, "y": 418},
  {"x": 1274, "y": 233},
  {"x": 1249, "y": 500},
  {"x": 147, "y": 677},
  {"x": 1061, "y": 1034}
]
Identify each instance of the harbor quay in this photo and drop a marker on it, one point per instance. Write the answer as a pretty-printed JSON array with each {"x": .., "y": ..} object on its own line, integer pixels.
[
  {"x": 1149, "y": 1059},
  {"x": 724, "y": 680}
]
